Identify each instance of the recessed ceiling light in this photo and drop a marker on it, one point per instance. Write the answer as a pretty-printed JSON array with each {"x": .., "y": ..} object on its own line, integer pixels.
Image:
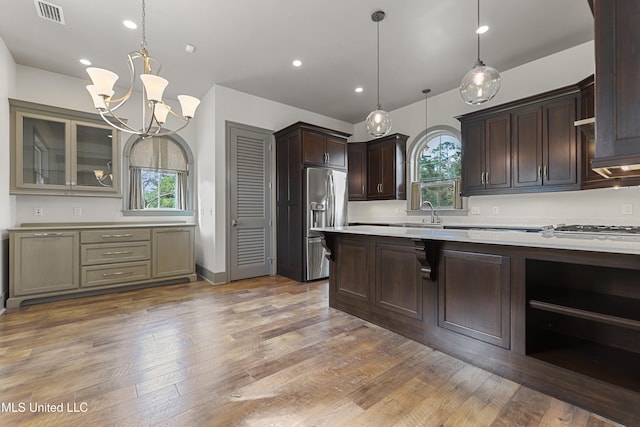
[
  {"x": 85, "y": 61},
  {"x": 296, "y": 63},
  {"x": 129, "y": 24},
  {"x": 189, "y": 48},
  {"x": 359, "y": 89},
  {"x": 482, "y": 29}
]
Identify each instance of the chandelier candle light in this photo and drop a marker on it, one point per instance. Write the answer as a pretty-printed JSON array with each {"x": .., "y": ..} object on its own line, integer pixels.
[
  {"x": 482, "y": 83},
  {"x": 154, "y": 109},
  {"x": 378, "y": 122}
]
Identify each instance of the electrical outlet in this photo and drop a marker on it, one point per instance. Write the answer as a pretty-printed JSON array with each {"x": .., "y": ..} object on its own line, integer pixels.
[
  {"x": 77, "y": 211},
  {"x": 627, "y": 209},
  {"x": 495, "y": 210},
  {"x": 475, "y": 210}
]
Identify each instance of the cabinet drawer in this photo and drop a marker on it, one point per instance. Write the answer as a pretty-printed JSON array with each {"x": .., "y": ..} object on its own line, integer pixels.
[
  {"x": 115, "y": 235},
  {"x": 101, "y": 275},
  {"x": 106, "y": 253}
]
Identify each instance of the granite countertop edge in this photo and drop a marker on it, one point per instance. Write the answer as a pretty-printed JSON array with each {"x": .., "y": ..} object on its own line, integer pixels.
[{"x": 545, "y": 239}]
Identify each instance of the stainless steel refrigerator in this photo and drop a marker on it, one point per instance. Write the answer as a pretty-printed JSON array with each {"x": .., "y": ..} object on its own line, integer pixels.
[{"x": 325, "y": 205}]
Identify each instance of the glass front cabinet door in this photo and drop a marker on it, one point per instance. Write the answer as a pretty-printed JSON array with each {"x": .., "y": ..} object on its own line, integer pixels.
[{"x": 55, "y": 151}]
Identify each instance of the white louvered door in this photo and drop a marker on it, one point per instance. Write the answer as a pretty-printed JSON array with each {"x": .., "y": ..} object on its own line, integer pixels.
[{"x": 250, "y": 203}]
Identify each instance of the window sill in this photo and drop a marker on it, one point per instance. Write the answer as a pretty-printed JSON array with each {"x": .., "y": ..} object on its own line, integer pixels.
[{"x": 157, "y": 212}]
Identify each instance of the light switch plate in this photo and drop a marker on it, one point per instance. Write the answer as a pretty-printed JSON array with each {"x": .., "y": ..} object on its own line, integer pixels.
[
  {"x": 475, "y": 210},
  {"x": 495, "y": 210}
]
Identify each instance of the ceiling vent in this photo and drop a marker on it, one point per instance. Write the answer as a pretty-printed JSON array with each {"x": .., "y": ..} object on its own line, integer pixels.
[{"x": 49, "y": 11}]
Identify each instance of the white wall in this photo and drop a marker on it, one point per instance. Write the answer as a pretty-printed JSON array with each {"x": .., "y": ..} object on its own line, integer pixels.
[
  {"x": 7, "y": 203},
  {"x": 222, "y": 105},
  {"x": 43, "y": 87},
  {"x": 552, "y": 72},
  {"x": 205, "y": 128}
]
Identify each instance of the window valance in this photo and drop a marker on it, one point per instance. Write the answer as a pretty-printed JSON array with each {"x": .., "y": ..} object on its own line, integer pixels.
[{"x": 157, "y": 153}]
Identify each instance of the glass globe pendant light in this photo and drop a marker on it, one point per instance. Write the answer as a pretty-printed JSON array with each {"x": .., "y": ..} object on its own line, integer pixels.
[
  {"x": 481, "y": 83},
  {"x": 378, "y": 122}
]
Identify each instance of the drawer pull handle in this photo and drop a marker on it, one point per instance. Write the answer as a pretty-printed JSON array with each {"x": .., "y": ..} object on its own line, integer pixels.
[
  {"x": 118, "y": 253},
  {"x": 47, "y": 234},
  {"x": 107, "y": 236},
  {"x": 119, "y": 273},
  {"x": 174, "y": 230}
]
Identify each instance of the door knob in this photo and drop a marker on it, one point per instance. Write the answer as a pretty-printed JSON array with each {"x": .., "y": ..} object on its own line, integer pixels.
[{"x": 234, "y": 222}]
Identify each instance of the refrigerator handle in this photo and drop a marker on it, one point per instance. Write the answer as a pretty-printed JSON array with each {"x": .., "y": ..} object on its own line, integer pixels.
[{"x": 332, "y": 202}]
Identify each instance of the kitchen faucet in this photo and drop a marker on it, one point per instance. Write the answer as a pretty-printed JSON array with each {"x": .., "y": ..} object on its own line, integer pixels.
[{"x": 433, "y": 212}]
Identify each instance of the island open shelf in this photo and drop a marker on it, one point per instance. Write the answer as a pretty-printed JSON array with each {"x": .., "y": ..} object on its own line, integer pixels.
[{"x": 585, "y": 318}]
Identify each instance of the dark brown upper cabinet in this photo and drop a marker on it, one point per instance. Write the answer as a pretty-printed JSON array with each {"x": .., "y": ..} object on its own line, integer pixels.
[
  {"x": 544, "y": 144},
  {"x": 357, "y": 170},
  {"x": 320, "y": 149},
  {"x": 486, "y": 154},
  {"x": 386, "y": 168},
  {"x": 527, "y": 145}
]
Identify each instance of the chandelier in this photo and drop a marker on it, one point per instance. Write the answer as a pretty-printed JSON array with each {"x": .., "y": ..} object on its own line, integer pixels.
[{"x": 154, "y": 109}]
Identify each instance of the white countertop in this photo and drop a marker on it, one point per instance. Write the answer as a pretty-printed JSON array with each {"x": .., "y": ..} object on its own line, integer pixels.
[
  {"x": 582, "y": 242},
  {"x": 34, "y": 226}
]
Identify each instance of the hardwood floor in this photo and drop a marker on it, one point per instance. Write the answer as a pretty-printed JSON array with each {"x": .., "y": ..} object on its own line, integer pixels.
[{"x": 260, "y": 352}]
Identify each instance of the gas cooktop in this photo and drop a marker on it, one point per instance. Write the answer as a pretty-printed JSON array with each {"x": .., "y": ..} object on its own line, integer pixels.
[
  {"x": 620, "y": 233},
  {"x": 598, "y": 229}
]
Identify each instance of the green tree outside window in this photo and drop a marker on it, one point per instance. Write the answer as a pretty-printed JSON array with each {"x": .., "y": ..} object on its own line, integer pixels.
[
  {"x": 159, "y": 189},
  {"x": 438, "y": 168}
]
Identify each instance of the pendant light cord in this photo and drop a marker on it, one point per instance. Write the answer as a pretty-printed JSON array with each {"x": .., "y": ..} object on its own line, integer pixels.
[
  {"x": 478, "y": 26},
  {"x": 144, "y": 29},
  {"x": 378, "y": 45},
  {"x": 426, "y": 110}
]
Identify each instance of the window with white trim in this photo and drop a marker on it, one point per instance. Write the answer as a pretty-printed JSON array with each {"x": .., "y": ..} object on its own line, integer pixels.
[{"x": 435, "y": 164}]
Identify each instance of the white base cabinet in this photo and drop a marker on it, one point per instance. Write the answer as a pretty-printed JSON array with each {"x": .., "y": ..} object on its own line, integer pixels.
[{"x": 64, "y": 259}]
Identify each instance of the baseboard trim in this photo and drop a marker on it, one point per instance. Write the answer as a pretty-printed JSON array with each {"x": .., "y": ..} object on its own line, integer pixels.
[{"x": 219, "y": 278}]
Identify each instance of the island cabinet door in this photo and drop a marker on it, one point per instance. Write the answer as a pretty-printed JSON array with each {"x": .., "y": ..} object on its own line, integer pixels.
[
  {"x": 474, "y": 296},
  {"x": 397, "y": 283},
  {"x": 352, "y": 273}
]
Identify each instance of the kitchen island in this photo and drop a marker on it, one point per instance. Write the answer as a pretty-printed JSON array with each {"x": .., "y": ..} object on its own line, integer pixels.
[{"x": 559, "y": 313}]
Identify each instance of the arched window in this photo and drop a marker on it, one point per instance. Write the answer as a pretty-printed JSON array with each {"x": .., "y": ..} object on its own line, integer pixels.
[
  {"x": 435, "y": 167},
  {"x": 158, "y": 178}
]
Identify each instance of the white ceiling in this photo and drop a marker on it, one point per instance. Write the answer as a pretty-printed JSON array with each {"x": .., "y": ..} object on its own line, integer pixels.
[{"x": 248, "y": 45}]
